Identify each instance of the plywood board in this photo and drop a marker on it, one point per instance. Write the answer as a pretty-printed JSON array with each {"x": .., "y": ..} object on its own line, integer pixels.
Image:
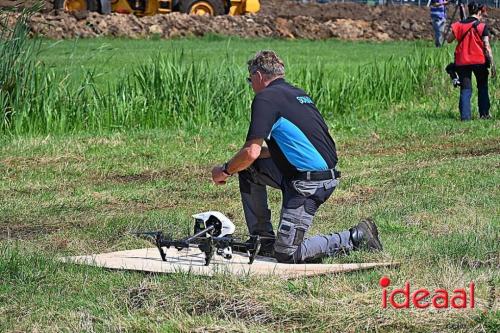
[{"x": 192, "y": 261}]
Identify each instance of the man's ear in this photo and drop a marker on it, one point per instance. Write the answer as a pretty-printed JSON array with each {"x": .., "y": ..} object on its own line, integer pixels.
[{"x": 261, "y": 78}]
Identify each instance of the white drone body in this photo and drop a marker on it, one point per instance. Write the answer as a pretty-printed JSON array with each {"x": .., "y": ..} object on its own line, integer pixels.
[
  {"x": 223, "y": 227},
  {"x": 223, "y": 222},
  {"x": 213, "y": 233}
]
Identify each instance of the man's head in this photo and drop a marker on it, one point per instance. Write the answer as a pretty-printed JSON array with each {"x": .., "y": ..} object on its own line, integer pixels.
[
  {"x": 476, "y": 8},
  {"x": 264, "y": 68}
]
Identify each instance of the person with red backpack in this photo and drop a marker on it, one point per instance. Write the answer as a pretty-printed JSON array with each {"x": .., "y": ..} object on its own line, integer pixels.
[{"x": 473, "y": 55}]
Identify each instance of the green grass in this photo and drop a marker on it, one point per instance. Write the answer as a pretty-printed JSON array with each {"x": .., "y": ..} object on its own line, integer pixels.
[
  {"x": 175, "y": 91},
  {"x": 112, "y": 57},
  {"x": 429, "y": 181},
  {"x": 187, "y": 84}
]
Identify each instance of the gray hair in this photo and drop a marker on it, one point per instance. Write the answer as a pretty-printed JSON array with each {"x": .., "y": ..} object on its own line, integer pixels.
[{"x": 267, "y": 63}]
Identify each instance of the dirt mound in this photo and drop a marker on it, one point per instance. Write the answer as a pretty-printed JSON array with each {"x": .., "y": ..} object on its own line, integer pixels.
[
  {"x": 332, "y": 11},
  {"x": 278, "y": 18},
  {"x": 46, "y": 5},
  {"x": 63, "y": 25},
  {"x": 398, "y": 21}
]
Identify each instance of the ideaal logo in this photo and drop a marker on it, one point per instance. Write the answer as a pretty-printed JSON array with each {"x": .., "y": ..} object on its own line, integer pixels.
[{"x": 422, "y": 298}]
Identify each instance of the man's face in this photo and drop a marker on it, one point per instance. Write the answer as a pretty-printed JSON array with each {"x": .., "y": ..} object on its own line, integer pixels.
[{"x": 257, "y": 81}]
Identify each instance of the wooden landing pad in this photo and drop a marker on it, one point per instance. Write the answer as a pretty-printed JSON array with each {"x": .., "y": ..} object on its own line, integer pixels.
[{"x": 192, "y": 261}]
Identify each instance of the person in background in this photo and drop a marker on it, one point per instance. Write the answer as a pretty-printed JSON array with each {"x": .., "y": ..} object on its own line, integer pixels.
[
  {"x": 438, "y": 18},
  {"x": 473, "y": 54}
]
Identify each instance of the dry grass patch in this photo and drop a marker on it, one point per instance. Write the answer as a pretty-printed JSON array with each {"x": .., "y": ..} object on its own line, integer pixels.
[
  {"x": 354, "y": 195},
  {"x": 178, "y": 174}
]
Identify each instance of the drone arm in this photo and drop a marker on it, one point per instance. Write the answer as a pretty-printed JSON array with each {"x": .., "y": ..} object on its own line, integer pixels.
[
  {"x": 198, "y": 234},
  {"x": 252, "y": 246}
]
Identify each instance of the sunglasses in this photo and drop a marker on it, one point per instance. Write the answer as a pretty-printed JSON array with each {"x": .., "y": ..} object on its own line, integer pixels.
[{"x": 249, "y": 79}]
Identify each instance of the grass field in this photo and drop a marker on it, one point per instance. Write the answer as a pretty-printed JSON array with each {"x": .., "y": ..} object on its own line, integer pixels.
[
  {"x": 429, "y": 181},
  {"x": 113, "y": 57}
]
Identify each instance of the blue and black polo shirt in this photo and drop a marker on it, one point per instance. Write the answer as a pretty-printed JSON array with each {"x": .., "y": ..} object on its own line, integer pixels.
[{"x": 293, "y": 128}]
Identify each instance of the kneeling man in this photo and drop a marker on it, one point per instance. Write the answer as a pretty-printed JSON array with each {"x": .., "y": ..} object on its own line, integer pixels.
[{"x": 299, "y": 158}]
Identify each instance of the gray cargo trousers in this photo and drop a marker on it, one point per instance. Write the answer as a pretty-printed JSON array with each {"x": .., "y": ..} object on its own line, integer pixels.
[{"x": 301, "y": 200}]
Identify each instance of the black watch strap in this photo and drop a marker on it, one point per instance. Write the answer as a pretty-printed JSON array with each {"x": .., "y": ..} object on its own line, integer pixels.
[{"x": 224, "y": 169}]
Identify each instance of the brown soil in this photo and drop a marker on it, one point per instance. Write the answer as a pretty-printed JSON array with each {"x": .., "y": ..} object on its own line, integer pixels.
[
  {"x": 332, "y": 11},
  {"x": 25, "y": 231},
  {"x": 278, "y": 18}
]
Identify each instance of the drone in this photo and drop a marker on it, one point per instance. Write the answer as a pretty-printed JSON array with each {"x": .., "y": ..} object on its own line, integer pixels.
[{"x": 212, "y": 235}]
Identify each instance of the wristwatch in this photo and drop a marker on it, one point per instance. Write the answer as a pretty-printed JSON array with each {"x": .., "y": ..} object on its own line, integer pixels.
[{"x": 224, "y": 169}]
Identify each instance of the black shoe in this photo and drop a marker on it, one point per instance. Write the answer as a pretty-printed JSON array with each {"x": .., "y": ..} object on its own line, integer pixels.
[
  {"x": 487, "y": 116},
  {"x": 365, "y": 236},
  {"x": 267, "y": 248}
]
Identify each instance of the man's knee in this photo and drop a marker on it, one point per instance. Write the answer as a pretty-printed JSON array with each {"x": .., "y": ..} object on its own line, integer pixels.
[
  {"x": 290, "y": 236},
  {"x": 285, "y": 252}
]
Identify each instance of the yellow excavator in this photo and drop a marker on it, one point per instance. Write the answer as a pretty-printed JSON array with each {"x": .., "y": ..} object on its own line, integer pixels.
[{"x": 154, "y": 7}]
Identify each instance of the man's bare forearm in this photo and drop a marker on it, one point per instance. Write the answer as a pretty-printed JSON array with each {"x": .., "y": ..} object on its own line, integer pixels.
[{"x": 246, "y": 156}]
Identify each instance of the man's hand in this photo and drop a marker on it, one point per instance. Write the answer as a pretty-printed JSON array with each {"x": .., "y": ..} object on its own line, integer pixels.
[
  {"x": 242, "y": 160},
  {"x": 218, "y": 176},
  {"x": 493, "y": 71}
]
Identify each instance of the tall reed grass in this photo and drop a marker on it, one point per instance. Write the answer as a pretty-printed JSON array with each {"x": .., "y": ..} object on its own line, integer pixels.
[
  {"x": 18, "y": 69},
  {"x": 170, "y": 91}
]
